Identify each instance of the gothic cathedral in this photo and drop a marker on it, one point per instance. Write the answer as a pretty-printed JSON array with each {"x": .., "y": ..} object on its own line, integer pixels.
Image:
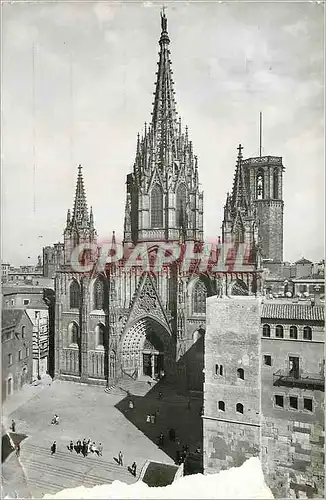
[{"x": 125, "y": 322}]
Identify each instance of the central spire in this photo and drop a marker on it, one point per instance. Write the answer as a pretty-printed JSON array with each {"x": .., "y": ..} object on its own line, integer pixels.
[{"x": 164, "y": 116}]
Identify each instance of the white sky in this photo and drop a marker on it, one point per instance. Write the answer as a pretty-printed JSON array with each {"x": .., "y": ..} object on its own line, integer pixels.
[{"x": 230, "y": 60}]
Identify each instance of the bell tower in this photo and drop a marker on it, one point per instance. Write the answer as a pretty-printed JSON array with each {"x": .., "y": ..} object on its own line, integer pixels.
[{"x": 265, "y": 180}]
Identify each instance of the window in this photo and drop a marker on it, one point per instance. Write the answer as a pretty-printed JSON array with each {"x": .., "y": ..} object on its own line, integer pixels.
[
  {"x": 267, "y": 360},
  {"x": 260, "y": 185},
  {"x": 73, "y": 333},
  {"x": 13, "y": 303},
  {"x": 239, "y": 408},
  {"x": 279, "y": 332},
  {"x": 20, "y": 355},
  {"x": 27, "y": 352},
  {"x": 307, "y": 404},
  {"x": 74, "y": 295},
  {"x": 23, "y": 331},
  {"x": 279, "y": 401},
  {"x": 156, "y": 206},
  {"x": 99, "y": 294},
  {"x": 218, "y": 369},
  {"x": 221, "y": 405},
  {"x": 199, "y": 298},
  {"x": 181, "y": 206},
  {"x": 275, "y": 184},
  {"x": 240, "y": 373},
  {"x": 26, "y": 302},
  {"x": 9, "y": 359},
  {"x": 9, "y": 386},
  {"x": 294, "y": 402},
  {"x": 307, "y": 333},
  {"x": 266, "y": 331},
  {"x": 293, "y": 332},
  {"x": 99, "y": 332},
  {"x": 294, "y": 366}
]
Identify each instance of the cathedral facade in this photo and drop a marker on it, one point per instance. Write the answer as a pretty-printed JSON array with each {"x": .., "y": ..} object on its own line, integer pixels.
[{"x": 131, "y": 322}]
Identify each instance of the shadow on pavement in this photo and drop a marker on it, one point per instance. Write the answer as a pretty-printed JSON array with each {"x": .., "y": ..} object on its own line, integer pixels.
[{"x": 7, "y": 448}]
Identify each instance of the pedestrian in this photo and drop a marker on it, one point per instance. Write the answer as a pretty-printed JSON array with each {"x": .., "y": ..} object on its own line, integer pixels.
[
  {"x": 172, "y": 434},
  {"x": 189, "y": 403},
  {"x": 71, "y": 446},
  {"x": 120, "y": 458},
  {"x": 78, "y": 446},
  {"x": 160, "y": 395},
  {"x": 153, "y": 418},
  {"x": 53, "y": 448},
  {"x": 161, "y": 439},
  {"x": 134, "y": 469},
  {"x": 100, "y": 449},
  {"x": 84, "y": 448},
  {"x": 131, "y": 405},
  {"x": 148, "y": 419},
  {"x": 17, "y": 450},
  {"x": 13, "y": 426}
]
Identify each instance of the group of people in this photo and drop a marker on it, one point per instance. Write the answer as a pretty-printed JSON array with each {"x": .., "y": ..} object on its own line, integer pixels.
[{"x": 86, "y": 447}]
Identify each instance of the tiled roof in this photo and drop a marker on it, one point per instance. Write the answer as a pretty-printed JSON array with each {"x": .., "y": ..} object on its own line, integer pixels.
[
  {"x": 303, "y": 261},
  {"x": 305, "y": 312},
  {"x": 11, "y": 317}
]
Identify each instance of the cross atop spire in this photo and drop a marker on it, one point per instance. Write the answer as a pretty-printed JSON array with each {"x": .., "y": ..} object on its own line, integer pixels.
[{"x": 240, "y": 148}]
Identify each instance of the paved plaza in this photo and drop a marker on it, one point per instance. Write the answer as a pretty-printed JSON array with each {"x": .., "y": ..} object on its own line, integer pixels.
[{"x": 88, "y": 412}]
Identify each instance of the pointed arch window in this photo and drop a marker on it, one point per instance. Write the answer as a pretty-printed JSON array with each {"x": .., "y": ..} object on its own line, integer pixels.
[
  {"x": 181, "y": 200},
  {"x": 199, "y": 298},
  {"x": 260, "y": 185},
  {"x": 73, "y": 333},
  {"x": 99, "y": 294},
  {"x": 157, "y": 206},
  {"x": 74, "y": 295},
  {"x": 275, "y": 184},
  {"x": 99, "y": 334},
  {"x": 238, "y": 234}
]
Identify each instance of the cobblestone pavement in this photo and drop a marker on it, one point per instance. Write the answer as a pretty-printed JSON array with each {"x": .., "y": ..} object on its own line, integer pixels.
[{"x": 85, "y": 412}]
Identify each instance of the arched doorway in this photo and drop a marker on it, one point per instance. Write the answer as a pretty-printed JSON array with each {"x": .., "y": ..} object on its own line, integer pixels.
[{"x": 148, "y": 350}]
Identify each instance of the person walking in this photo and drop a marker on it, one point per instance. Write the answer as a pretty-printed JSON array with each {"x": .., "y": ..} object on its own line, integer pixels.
[
  {"x": 71, "y": 446},
  {"x": 161, "y": 439},
  {"x": 100, "y": 449},
  {"x": 134, "y": 469},
  {"x": 17, "y": 450},
  {"x": 53, "y": 448},
  {"x": 120, "y": 458},
  {"x": 189, "y": 404},
  {"x": 131, "y": 404},
  {"x": 13, "y": 426}
]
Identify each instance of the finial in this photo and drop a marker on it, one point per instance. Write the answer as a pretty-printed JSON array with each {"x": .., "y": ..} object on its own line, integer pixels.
[
  {"x": 240, "y": 148},
  {"x": 79, "y": 169},
  {"x": 113, "y": 238},
  {"x": 164, "y": 21}
]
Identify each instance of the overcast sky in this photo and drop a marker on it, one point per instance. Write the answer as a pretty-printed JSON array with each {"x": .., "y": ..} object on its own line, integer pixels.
[{"x": 94, "y": 73}]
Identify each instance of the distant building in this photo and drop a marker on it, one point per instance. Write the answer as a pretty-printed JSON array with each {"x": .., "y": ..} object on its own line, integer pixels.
[
  {"x": 27, "y": 275},
  {"x": 17, "y": 343},
  {"x": 5, "y": 272},
  {"x": 264, "y": 391},
  {"x": 33, "y": 300},
  {"x": 53, "y": 259},
  {"x": 303, "y": 268}
]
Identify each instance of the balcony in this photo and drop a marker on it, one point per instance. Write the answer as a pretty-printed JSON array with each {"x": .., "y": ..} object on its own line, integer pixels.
[{"x": 312, "y": 381}]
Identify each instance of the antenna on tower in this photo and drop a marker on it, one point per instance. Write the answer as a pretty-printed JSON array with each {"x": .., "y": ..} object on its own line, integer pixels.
[{"x": 260, "y": 132}]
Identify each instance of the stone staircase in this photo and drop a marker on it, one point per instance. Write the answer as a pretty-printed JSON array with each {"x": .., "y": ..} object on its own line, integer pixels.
[
  {"x": 50, "y": 474},
  {"x": 127, "y": 385}
]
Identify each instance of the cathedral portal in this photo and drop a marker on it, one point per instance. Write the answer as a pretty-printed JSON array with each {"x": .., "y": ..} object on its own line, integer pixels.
[{"x": 147, "y": 350}]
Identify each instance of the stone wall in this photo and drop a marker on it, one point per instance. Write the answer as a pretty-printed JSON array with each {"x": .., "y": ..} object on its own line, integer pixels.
[
  {"x": 270, "y": 214},
  {"x": 232, "y": 343}
]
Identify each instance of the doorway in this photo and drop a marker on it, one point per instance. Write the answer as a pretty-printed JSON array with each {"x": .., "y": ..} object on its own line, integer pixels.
[{"x": 147, "y": 364}]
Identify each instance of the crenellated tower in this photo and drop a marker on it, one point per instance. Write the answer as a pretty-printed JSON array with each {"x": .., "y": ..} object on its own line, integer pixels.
[
  {"x": 80, "y": 225},
  {"x": 164, "y": 201}
]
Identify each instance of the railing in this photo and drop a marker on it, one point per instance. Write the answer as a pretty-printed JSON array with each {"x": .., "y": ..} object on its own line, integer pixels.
[{"x": 314, "y": 381}]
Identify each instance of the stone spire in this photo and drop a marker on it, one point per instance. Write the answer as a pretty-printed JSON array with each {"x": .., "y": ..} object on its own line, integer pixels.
[
  {"x": 239, "y": 197},
  {"x": 164, "y": 116},
  {"x": 80, "y": 216}
]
